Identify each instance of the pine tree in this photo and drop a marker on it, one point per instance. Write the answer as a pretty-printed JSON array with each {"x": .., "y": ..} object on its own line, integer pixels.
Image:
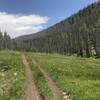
[{"x": 1, "y": 41}]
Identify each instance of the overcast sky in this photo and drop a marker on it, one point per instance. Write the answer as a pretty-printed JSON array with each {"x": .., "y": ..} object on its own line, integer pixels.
[{"x": 19, "y": 17}]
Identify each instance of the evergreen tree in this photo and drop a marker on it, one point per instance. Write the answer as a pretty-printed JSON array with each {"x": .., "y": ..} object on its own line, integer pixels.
[{"x": 1, "y": 41}]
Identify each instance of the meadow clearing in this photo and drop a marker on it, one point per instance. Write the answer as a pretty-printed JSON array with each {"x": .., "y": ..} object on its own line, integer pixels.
[{"x": 77, "y": 78}]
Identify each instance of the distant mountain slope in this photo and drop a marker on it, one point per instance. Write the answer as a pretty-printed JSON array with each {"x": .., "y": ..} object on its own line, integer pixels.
[{"x": 77, "y": 34}]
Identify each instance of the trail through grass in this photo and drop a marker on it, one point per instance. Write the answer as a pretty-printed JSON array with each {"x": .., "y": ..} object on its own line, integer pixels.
[
  {"x": 40, "y": 81},
  {"x": 78, "y": 78}
]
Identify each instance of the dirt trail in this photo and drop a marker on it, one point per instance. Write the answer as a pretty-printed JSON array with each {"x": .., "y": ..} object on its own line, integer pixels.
[
  {"x": 31, "y": 89},
  {"x": 52, "y": 85}
]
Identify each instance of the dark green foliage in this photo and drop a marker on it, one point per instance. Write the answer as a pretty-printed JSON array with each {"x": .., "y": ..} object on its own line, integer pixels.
[
  {"x": 1, "y": 40},
  {"x": 5, "y": 41},
  {"x": 78, "y": 34}
]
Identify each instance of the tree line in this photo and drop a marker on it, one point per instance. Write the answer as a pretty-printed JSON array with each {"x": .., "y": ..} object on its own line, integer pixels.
[
  {"x": 78, "y": 34},
  {"x": 5, "y": 41}
]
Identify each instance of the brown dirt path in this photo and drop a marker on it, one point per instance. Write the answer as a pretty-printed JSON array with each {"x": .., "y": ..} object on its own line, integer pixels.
[
  {"x": 31, "y": 89},
  {"x": 52, "y": 85}
]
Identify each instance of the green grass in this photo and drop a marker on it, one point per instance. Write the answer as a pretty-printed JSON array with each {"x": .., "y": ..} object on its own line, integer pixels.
[
  {"x": 78, "y": 77},
  {"x": 12, "y": 78}
]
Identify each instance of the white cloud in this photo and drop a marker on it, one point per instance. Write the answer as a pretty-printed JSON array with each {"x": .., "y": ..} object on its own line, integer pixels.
[{"x": 16, "y": 24}]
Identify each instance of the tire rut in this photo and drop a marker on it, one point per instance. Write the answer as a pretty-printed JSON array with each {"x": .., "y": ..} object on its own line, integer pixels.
[
  {"x": 31, "y": 92},
  {"x": 52, "y": 85}
]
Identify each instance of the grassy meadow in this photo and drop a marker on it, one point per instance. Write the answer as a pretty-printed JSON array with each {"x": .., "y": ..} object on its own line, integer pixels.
[{"x": 75, "y": 76}]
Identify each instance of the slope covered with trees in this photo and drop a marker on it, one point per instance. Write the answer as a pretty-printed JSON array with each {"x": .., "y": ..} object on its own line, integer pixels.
[{"x": 78, "y": 34}]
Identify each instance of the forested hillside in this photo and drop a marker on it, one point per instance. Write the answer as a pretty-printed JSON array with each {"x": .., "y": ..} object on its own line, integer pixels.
[{"x": 78, "y": 34}]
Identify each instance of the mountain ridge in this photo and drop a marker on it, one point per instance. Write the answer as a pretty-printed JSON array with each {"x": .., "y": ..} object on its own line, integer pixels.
[
  {"x": 56, "y": 23},
  {"x": 62, "y": 34}
]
